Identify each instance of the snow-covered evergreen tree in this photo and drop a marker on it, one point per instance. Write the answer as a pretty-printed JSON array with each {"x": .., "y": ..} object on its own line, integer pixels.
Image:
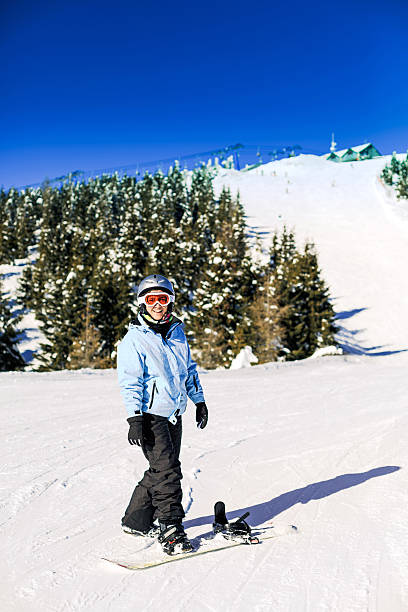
[
  {"x": 8, "y": 237},
  {"x": 62, "y": 307},
  {"x": 396, "y": 174},
  {"x": 100, "y": 238},
  {"x": 10, "y": 357},
  {"x": 201, "y": 197},
  {"x": 183, "y": 237},
  {"x": 85, "y": 350},
  {"x": 264, "y": 334},
  {"x": 222, "y": 296},
  {"x": 402, "y": 185},
  {"x": 25, "y": 225},
  {"x": 25, "y": 289},
  {"x": 4, "y": 256},
  {"x": 307, "y": 316},
  {"x": 109, "y": 299},
  {"x": 175, "y": 194},
  {"x": 134, "y": 241},
  {"x": 386, "y": 175},
  {"x": 394, "y": 168}
]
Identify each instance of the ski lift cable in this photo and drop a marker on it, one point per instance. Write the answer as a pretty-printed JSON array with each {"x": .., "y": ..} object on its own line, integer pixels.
[{"x": 237, "y": 149}]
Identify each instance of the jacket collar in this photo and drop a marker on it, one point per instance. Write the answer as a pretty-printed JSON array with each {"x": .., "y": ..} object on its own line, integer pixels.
[{"x": 140, "y": 323}]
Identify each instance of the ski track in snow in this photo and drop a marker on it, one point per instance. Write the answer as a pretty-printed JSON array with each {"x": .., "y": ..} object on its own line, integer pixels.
[
  {"x": 190, "y": 477},
  {"x": 305, "y": 468},
  {"x": 318, "y": 443}
]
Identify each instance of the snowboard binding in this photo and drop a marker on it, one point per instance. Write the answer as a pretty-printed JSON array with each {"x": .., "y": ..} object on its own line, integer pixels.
[
  {"x": 173, "y": 539},
  {"x": 238, "y": 530}
]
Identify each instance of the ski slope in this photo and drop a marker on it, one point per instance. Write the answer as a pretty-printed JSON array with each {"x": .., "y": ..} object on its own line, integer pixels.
[
  {"x": 361, "y": 234},
  {"x": 319, "y": 443}
]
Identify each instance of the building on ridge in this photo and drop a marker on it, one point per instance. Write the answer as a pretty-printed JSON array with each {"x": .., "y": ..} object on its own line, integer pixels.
[{"x": 357, "y": 153}]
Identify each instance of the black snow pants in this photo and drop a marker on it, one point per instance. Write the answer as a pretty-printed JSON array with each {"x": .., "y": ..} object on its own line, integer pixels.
[{"x": 158, "y": 495}]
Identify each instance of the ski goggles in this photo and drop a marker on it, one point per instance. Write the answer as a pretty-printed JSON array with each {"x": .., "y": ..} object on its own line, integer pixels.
[{"x": 151, "y": 298}]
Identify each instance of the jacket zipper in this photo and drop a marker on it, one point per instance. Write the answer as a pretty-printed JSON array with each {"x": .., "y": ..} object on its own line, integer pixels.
[{"x": 152, "y": 398}]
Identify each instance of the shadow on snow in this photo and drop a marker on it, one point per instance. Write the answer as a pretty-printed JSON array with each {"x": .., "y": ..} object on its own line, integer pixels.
[
  {"x": 347, "y": 339},
  {"x": 260, "y": 513}
]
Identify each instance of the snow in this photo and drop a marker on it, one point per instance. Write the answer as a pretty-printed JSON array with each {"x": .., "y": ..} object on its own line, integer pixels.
[
  {"x": 361, "y": 147},
  {"x": 244, "y": 359},
  {"x": 341, "y": 152},
  {"x": 318, "y": 443},
  {"x": 31, "y": 337},
  {"x": 327, "y": 350},
  {"x": 361, "y": 238}
]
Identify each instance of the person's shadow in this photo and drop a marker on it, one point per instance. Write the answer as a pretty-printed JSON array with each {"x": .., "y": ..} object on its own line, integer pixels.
[{"x": 260, "y": 513}]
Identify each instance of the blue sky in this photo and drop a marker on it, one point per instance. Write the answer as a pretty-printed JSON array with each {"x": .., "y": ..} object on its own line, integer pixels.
[{"x": 88, "y": 85}]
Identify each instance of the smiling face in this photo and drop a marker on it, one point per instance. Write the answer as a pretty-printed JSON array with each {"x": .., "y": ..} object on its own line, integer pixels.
[{"x": 156, "y": 310}]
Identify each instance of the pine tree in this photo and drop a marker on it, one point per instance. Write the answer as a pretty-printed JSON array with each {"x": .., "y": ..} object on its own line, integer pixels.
[
  {"x": 4, "y": 255},
  {"x": 9, "y": 237},
  {"x": 133, "y": 245},
  {"x": 308, "y": 316},
  {"x": 264, "y": 334},
  {"x": 185, "y": 239},
  {"x": 25, "y": 225},
  {"x": 386, "y": 175},
  {"x": 100, "y": 238},
  {"x": 191, "y": 253},
  {"x": 197, "y": 228},
  {"x": 280, "y": 268},
  {"x": 394, "y": 168},
  {"x": 225, "y": 286},
  {"x": 177, "y": 256},
  {"x": 50, "y": 250},
  {"x": 10, "y": 357},
  {"x": 86, "y": 347},
  {"x": 402, "y": 184},
  {"x": 109, "y": 299},
  {"x": 175, "y": 194},
  {"x": 201, "y": 199},
  {"x": 396, "y": 174},
  {"x": 148, "y": 205},
  {"x": 62, "y": 308},
  {"x": 25, "y": 289}
]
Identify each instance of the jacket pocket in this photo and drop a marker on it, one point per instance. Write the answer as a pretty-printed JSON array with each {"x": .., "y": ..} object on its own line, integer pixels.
[{"x": 154, "y": 389}]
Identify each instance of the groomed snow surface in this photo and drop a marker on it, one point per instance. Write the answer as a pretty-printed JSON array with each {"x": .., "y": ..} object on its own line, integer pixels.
[{"x": 321, "y": 443}]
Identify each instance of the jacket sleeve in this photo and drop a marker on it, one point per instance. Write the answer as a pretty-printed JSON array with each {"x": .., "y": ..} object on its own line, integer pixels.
[
  {"x": 193, "y": 385},
  {"x": 130, "y": 374}
]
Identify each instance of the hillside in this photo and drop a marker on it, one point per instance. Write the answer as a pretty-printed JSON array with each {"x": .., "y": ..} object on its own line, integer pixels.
[
  {"x": 361, "y": 234},
  {"x": 318, "y": 443}
]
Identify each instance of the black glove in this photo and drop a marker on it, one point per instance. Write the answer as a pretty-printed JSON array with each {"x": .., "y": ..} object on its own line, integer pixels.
[
  {"x": 135, "y": 435},
  {"x": 201, "y": 415}
]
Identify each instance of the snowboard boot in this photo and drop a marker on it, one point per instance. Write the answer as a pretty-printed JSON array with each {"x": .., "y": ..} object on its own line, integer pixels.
[
  {"x": 173, "y": 539},
  {"x": 152, "y": 532}
]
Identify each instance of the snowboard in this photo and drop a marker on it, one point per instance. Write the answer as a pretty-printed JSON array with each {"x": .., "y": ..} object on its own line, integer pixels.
[{"x": 206, "y": 546}]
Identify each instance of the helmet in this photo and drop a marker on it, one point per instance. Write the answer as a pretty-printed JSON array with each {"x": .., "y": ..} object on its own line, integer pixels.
[{"x": 154, "y": 282}]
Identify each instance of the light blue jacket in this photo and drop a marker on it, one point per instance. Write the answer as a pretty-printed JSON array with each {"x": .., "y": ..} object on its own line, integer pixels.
[{"x": 157, "y": 375}]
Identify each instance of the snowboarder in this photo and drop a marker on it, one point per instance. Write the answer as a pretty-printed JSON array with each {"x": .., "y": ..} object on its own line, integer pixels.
[{"x": 156, "y": 374}]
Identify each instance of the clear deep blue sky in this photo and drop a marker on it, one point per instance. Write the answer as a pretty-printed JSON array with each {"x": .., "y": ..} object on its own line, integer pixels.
[{"x": 93, "y": 84}]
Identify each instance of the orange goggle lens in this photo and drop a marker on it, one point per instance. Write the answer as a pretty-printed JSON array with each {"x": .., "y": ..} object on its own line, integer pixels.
[{"x": 162, "y": 298}]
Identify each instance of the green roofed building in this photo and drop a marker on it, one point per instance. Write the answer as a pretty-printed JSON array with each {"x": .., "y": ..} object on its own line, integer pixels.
[{"x": 358, "y": 153}]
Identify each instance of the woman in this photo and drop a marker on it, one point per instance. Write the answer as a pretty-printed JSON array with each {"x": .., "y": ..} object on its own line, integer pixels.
[{"x": 156, "y": 374}]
